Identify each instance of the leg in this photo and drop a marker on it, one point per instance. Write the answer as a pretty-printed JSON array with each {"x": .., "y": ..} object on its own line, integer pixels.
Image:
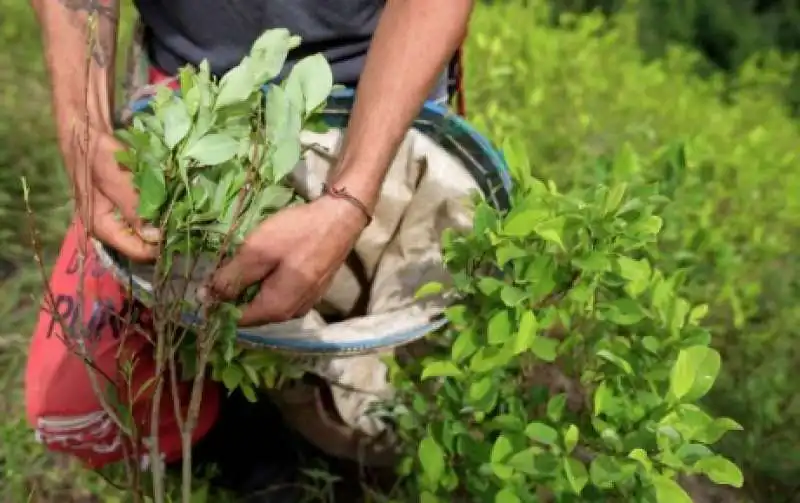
[
  {"x": 253, "y": 451},
  {"x": 67, "y": 399}
]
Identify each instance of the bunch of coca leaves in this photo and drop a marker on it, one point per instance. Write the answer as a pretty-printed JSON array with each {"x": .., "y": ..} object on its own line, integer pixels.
[{"x": 210, "y": 163}]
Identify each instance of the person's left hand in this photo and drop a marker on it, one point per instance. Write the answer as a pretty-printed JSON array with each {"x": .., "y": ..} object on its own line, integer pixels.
[{"x": 295, "y": 254}]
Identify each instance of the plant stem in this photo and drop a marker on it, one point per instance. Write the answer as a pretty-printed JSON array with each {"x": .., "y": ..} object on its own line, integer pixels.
[
  {"x": 155, "y": 454},
  {"x": 204, "y": 345}
]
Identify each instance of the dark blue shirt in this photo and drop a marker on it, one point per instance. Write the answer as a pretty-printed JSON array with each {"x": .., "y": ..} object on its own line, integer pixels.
[{"x": 222, "y": 31}]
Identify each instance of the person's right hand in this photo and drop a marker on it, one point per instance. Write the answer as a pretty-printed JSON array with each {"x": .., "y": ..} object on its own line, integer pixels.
[{"x": 105, "y": 197}]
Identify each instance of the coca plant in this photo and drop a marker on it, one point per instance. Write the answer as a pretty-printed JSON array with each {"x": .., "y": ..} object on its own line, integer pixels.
[
  {"x": 210, "y": 162},
  {"x": 572, "y": 367}
]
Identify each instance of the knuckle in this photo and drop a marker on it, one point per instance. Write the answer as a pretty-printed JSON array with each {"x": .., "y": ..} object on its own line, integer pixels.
[{"x": 225, "y": 287}]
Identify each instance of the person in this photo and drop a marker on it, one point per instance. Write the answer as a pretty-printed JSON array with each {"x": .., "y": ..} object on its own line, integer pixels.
[{"x": 393, "y": 52}]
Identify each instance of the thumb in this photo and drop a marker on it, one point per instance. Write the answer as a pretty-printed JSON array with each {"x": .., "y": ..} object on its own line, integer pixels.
[{"x": 246, "y": 267}]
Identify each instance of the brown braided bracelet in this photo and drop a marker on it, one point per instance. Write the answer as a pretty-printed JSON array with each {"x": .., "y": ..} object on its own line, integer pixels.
[{"x": 342, "y": 193}]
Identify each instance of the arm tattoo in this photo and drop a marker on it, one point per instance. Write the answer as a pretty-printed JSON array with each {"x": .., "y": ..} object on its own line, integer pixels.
[{"x": 104, "y": 12}]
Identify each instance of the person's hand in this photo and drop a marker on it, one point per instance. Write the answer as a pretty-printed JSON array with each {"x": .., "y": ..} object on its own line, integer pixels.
[
  {"x": 295, "y": 254},
  {"x": 105, "y": 197}
]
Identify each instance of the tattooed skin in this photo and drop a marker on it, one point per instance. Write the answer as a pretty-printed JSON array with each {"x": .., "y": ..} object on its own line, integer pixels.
[{"x": 104, "y": 12}]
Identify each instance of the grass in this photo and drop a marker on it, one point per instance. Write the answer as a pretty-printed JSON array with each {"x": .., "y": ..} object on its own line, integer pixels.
[{"x": 26, "y": 149}]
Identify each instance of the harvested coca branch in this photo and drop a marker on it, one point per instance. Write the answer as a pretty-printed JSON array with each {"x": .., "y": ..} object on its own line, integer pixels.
[{"x": 210, "y": 163}]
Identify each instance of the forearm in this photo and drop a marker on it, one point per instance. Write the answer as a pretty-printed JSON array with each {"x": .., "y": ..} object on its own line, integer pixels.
[
  {"x": 412, "y": 44},
  {"x": 80, "y": 47}
]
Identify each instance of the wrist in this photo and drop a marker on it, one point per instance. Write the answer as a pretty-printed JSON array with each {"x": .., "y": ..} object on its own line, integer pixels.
[
  {"x": 342, "y": 193},
  {"x": 364, "y": 185},
  {"x": 346, "y": 213}
]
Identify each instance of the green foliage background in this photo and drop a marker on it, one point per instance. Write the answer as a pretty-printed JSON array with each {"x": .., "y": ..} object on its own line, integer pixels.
[{"x": 569, "y": 92}]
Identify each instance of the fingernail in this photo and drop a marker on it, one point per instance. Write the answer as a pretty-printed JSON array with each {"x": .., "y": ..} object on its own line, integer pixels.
[{"x": 150, "y": 234}]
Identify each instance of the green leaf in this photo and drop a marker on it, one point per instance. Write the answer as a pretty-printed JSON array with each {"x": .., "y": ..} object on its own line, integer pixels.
[
  {"x": 576, "y": 474},
  {"x": 283, "y": 157},
  {"x": 625, "y": 312},
  {"x": 176, "y": 123},
  {"x": 229, "y": 185},
  {"x": 720, "y": 471},
  {"x": 611, "y": 439},
  {"x": 499, "y": 328},
  {"x": 250, "y": 372},
  {"x": 637, "y": 272},
  {"x": 555, "y": 407},
  {"x": 506, "y": 495},
  {"x": 526, "y": 334},
  {"x": 614, "y": 198},
  {"x": 457, "y": 314},
  {"x": 480, "y": 390},
  {"x": 525, "y": 461},
  {"x": 694, "y": 372},
  {"x": 282, "y": 119},
  {"x": 431, "y": 458},
  {"x": 464, "y": 346},
  {"x": 484, "y": 218},
  {"x": 501, "y": 450},
  {"x": 651, "y": 343},
  {"x": 213, "y": 149},
  {"x": 149, "y": 180},
  {"x": 571, "y": 438},
  {"x": 512, "y": 296},
  {"x": 268, "y": 54},
  {"x": 509, "y": 252},
  {"x": 626, "y": 163},
  {"x": 604, "y": 471},
  {"x": 489, "y": 285},
  {"x": 522, "y": 224},
  {"x": 271, "y": 198},
  {"x": 126, "y": 158},
  {"x": 717, "y": 429},
  {"x": 429, "y": 289},
  {"x": 698, "y": 313},
  {"x": 232, "y": 376},
  {"x": 192, "y": 100},
  {"x": 691, "y": 453},
  {"x": 652, "y": 225},
  {"x": 603, "y": 399},
  {"x": 544, "y": 348},
  {"x": 249, "y": 393},
  {"x": 440, "y": 369},
  {"x": 283, "y": 122},
  {"x": 616, "y": 360},
  {"x": 489, "y": 358},
  {"x": 202, "y": 189},
  {"x": 541, "y": 433},
  {"x": 641, "y": 456},
  {"x": 594, "y": 262},
  {"x": 668, "y": 491},
  {"x": 313, "y": 77},
  {"x": 186, "y": 79},
  {"x": 552, "y": 230},
  {"x": 236, "y": 86}
]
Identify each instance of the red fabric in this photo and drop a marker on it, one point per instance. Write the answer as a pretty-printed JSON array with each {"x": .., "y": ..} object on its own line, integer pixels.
[
  {"x": 61, "y": 399},
  {"x": 156, "y": 76}
]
